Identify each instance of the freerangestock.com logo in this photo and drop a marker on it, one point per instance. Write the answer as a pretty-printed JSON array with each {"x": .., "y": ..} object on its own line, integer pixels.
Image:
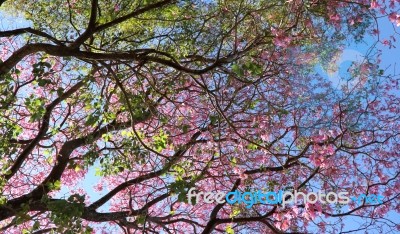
[{"x": 249, "y": 198}]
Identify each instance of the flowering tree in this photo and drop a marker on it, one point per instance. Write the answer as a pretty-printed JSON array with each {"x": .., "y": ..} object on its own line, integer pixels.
[{"x": 157, "y": 97}]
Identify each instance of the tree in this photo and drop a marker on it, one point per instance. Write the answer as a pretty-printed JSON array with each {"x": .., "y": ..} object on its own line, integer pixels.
[{"x": 158, "y": 97}]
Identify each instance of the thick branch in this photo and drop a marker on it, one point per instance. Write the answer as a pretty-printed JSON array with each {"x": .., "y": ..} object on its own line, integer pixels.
[
  {"x": 178, "y": 154},
  {"x": 62, "y": 51},
  {"x": 91, "y": 26},
  {"x": 12, "y": 206},
  {"x": 213, "y": 216},
  {"x": 92, "y": 29},
  {"x": 42, "y": 131},
  {"x": 20, "y": 31}
]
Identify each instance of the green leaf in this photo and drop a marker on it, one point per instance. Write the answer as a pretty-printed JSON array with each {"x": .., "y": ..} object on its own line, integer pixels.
[
  {"x": 229, "y": 230},
  {"x": 43, "y": 82},
  {"x": 160, "y": 141},
  {"x": 36, "y": 225},
  {"x": 140, "y": 219},
  {"x": 213, "y": 119},
  {"x": 60, "y": 91},
  {"x": 238, "y": 70},
  {"x": 92, "y": 119},
  {"x": 3, "y": 200},
  {"x": 106, "y": 137},
  {"x": 253, "y": 68},
  {"x": 235, "y": 212},
  {"x": 57, "y": 185},
  {"x": 54, "y": 186},
  {"x": 179, "y": 187},
  {"x": 36, "y": 107},
  {"x": 252, "y": 146},
  {"x": 185, "y": 128},
  {"x": 233, "y": 162}
]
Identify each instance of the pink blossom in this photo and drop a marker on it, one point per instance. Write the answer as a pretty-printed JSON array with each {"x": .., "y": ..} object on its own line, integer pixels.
[
  {"x": 265, "y": 137},
  {"x": 386, "y": 42},
  {"x": 374, "y": 5},
  {"x": 334, "y": 17}
]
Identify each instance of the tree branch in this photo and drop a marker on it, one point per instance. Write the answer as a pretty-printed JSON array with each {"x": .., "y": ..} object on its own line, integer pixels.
[
  {"x": 42, "y": 131},
  {"x": 92, "y": 29},
  {"x": 178, "y": 154},
  {"x": 36, "y": 32}
]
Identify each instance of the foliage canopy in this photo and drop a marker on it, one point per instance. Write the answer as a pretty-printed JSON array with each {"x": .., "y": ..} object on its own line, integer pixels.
[{"x": 151, "y": 98}]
